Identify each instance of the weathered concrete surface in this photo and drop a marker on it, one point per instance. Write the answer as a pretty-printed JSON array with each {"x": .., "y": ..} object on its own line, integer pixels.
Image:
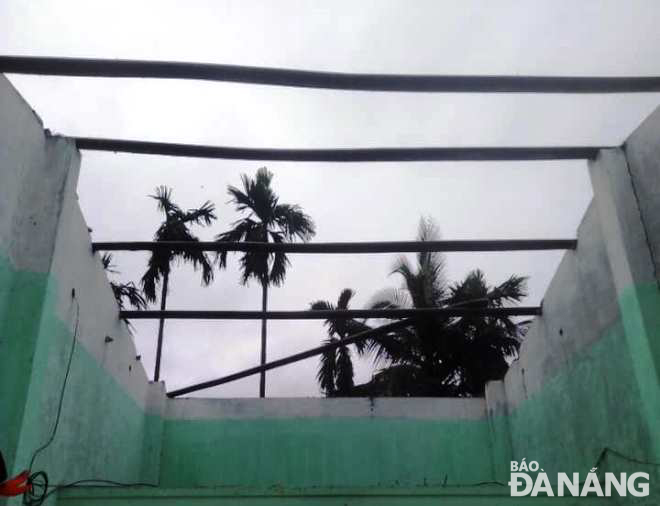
[
  {"x": 303, "y": 443},
  {"x": 33, "y": 166},
  {"x": 642, "y": 151},
  {"x": 413, "y": 408},
  {"x": 573, "y": 392},
  {"x": 625, "y": 224},
  {"x": 643, "y": 163},
  {"x": 105, "y": 428},
  {"x": 587, "y": 377},
  {"x": 112, "y": 424},
  {"x": 26, "y": 175}
]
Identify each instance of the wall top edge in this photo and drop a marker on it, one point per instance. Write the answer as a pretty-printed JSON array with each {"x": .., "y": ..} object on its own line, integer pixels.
[{"x": 411, "y": 408}]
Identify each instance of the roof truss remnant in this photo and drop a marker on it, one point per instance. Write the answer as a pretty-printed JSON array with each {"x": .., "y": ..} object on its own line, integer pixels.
[{"x": 93, "y": 67}]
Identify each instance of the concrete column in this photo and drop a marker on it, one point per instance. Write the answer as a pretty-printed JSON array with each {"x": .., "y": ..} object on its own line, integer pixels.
[{"x": 627, "y": 229}]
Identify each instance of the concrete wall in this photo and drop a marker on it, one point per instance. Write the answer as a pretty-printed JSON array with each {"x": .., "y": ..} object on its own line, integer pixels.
[
  {"x": 586, "y": 380},
  {"x": 573, "y": 392},
  {"x": 115, "y": 424},
  {"x": 106, "y": 428},
  {"x": 331, "y": 443},
  {"x": 21, "y": 296},
  {"x": 587, "y": 377}
]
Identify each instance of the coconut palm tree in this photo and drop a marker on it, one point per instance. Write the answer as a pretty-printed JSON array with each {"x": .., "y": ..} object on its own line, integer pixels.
[
  {"x": 439, "y": 356},
  {"x": 264, "y": 219},
  {"x": 487, "y": 344},
  {"x": 335, "y": 374},
  {"x": 175, "y": 227},
  {"x": 123, "y": 292}
]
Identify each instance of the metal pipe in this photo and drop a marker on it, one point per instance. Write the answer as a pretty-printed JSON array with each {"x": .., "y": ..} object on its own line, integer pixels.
[
  {"x": 422, "y": 154},
  {"x": 334, "y": 314},
  {"x": 93, "y": 67},
  {"x": 344, "y": 247},
  {"x": 292, "y": 358}
]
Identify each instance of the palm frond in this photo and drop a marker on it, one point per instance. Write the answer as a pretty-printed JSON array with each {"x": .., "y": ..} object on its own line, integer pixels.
[
  {"x": 163, "y": 196},
  {"x": 133, "y": 296},
  {"x": 431, "y": 264},
  {"x": 106, "y": 262},
  {"x": 344, "y": 374},
  {"x": 428, "y": 231},
  {"x": 396, "y": 347},
  {"x": 402, "y": 267},
  {"x": 258, "y": 196},
  {"x": 254, "y": 265},
  {"x": 390, "y": 298},
  {"x": 293, "y": 222},
  {"x": 340, "y": 327},
  {"x": 279, "y": 261},
  {"x": 241, "y": 230},
  {"x": 240, "y": 198},
  {"x": 266, "y": 219},
  {"x": 344, "y": 298},
  {"x": 472, "y": 290},
  {"x": 175, "y": 227},
  {"x": 327, "y": 369},
  {"x": 198, "y": 260},
  {"x": 352, "y": 327},
  {"x": 263, "y": 177},
  {"x": 444, "y": 356},
  {"x": 152, "y": 277},
  {"x": 123, "y": 291},
  {"x": 321, "y": 305},
  {"x": 513, "y": 289},
  {"x": 131, "y": 293},
  {"x": 203, "y": 215}
]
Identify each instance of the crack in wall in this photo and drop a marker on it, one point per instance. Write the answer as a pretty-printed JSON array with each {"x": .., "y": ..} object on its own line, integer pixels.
[{"x": 647, "y": 238}]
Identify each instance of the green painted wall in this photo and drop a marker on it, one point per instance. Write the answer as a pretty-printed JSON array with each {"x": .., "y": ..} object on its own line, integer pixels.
[
  {"x": 640, "y": 309},
  {"x": 604, "y": 395},
  {"x": 102, "y": 433},
  {"x": 591, "y": 404},
  {"x": 21, "y": 300},
  {"x": 325, "y": 452}
]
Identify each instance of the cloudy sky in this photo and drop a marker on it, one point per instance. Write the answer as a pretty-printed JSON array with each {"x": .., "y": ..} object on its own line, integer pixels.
[{"x": 349, "y": 202}]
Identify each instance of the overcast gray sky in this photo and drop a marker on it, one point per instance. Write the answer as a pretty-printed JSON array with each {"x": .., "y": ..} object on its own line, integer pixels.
[{"x": 349, "y": 202}]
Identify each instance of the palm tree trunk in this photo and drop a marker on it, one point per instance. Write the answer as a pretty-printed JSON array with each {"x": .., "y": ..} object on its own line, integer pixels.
[
  {"x": 264, "y": 321},
  {"x": 161, "y": 324}
]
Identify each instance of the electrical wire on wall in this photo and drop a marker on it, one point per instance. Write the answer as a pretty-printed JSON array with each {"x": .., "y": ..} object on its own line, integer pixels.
[{"x": 37, "y": 488}]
